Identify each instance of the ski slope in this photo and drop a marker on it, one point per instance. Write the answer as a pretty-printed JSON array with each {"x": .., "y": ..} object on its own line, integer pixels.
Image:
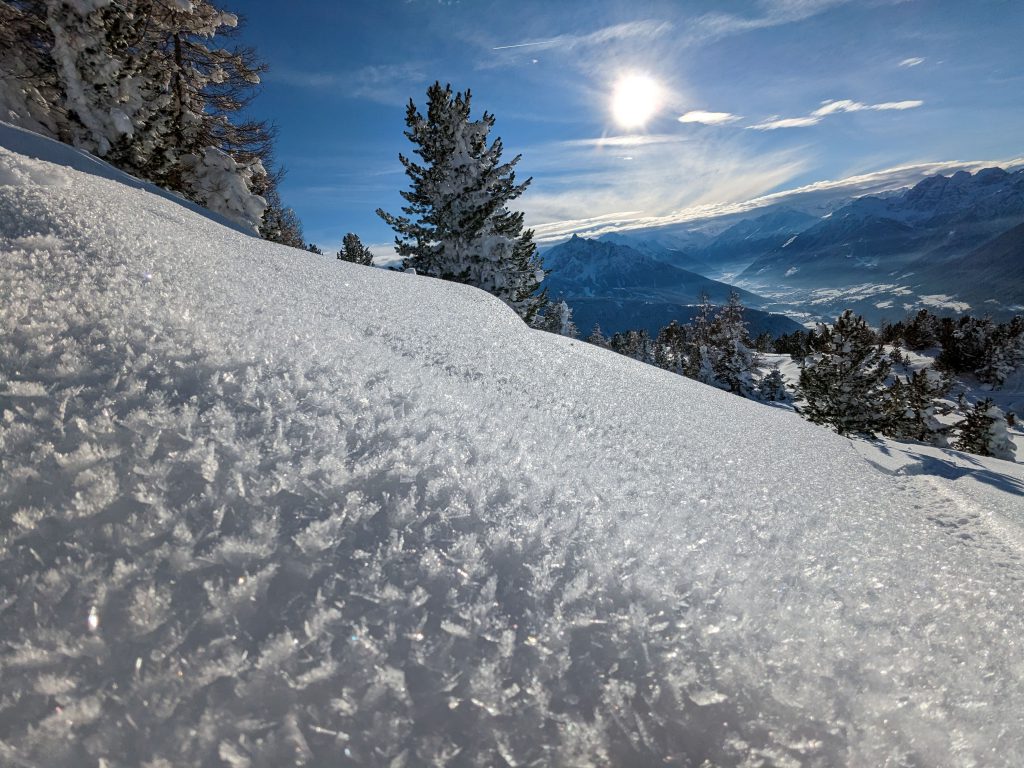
[{"x": 264, "y": 508}]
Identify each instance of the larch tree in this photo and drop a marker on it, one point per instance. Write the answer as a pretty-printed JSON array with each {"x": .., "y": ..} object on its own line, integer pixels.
[{"x": 457, "y": 224}]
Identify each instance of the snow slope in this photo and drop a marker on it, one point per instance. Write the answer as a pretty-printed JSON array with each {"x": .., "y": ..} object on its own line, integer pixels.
[{"x": 261, "y": 508}]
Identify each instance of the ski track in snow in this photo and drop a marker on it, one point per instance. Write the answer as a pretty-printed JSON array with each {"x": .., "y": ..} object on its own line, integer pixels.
[{"x": 262, "y": 508}]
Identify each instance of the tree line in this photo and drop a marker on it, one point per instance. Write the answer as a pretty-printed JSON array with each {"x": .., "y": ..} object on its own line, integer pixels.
[{"x": 853, "y": 379}]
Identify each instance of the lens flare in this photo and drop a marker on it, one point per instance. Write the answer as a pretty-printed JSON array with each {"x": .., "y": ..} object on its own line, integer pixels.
[{"x": 635, "y": 100}]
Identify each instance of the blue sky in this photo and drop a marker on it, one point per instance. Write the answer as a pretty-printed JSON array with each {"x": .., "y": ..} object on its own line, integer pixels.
[{"x": 774, "y": 95}]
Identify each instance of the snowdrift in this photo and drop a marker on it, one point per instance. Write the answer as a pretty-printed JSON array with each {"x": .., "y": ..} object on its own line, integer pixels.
[{"x": 263, "y": 508}]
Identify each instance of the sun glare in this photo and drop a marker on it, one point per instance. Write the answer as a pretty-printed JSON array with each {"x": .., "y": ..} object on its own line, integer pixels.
[{"x": 635, "y": 100}]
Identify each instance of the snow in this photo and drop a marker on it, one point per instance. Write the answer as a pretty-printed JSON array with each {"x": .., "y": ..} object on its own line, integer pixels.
[{"x": 266, "y": 509}]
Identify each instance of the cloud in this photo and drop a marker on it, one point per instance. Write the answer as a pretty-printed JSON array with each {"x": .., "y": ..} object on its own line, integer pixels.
[
  {"x": 845, "y": 105},
  {"x": 833, "y": 107},
  {"x": 785, "y": 122},
  {"x": 819, "y": 194},
  {"x": 645, "y": 28},
  {"x": 578, "y": 187},
  {"x": 385, "y": 84},
  {"x": 708, "y": 118},
  {"x": 913, "y": 61}
]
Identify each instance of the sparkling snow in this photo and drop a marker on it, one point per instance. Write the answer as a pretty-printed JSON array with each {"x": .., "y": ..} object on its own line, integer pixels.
[{"x": 263, "y": 508}]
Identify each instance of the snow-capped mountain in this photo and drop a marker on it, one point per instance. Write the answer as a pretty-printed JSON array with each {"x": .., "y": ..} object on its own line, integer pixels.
[
  {"x": 620, "y": 287},
  {"x": 899, "y": 244}
]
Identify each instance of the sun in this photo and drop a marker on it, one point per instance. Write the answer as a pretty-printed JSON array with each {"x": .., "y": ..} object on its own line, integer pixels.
[{"x": 635, "y": 100}]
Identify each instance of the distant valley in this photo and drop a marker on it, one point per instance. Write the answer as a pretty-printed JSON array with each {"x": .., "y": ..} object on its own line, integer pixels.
[{"x": 951, "y": 244}]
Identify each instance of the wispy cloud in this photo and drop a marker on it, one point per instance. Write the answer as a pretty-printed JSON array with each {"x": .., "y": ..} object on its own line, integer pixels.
[
  {"x": 913, "y": 61},
  {"x": 785, "y": 122},
  {"x": 385, "y": 84},
  {"x": 647, "y": 28},
  {"x": 833, "y": 107},
  {"x": 846, "y": 105},
  {"x": 580, "y": 188},
  {"x": 820, "y": 194},
  {"x": 708, "y": 118}
]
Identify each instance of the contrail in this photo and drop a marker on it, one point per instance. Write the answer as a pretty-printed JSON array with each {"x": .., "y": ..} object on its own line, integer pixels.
[{"x": 523, "y": 45}]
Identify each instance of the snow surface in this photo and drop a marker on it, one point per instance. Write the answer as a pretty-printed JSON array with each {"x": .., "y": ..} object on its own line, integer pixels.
[{"x": 259, "y": 508}]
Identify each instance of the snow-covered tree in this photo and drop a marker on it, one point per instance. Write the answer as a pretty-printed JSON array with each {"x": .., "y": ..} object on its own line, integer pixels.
[
  {"x": 844, "y": 382},
  {"x": 734, "y": 359},
  {"x": 457, "y": 225},
  {"x": 700, "y": 350},
  {"x": 912, "y": 407},
  {"x": 1004, "y": 352},
  {"x": 141, "y": 84},
  {"x": 772, "y": 387},
  {"x": 352, "y": 249},
  {"x": 597, "y": 338},
  {"x": 983, "y": 431},
  {"x": 670, "y": 348},
  {"x": 557, "y": 318}
]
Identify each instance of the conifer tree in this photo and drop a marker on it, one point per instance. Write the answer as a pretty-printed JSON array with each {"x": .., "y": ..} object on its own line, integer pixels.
[
  {"x": 844, "y": 382},
  {"x": 457, "y": 225},
  {"x": 597, "y": 338},
  {"x": 983, "y": 431},
  {"x": 557, "y": 318},
  {"x": 352, "y": 249},
  {"x": 912, "y": 407},
  {"x": 734, "y": 359},
  {"x": 670, "y": 348},
  {"x": 141, "y": 84},
  {"x": 700, "y": 357},
  {"x": 772, "y": 387}
]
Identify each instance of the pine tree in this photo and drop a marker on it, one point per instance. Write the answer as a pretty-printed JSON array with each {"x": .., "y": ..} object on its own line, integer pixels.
[
  {"x": 597, "y": 338},
  {"x": 314, "y": 248},
  {"x": 772, "y": 387},
  {"x": 983, "y": 431},
  {"x": 557, "y": 318},
  {"x": 279, "y": 224},
  {"x": 670, "y": 348},
  {"x": 734, "y": 361},
  {"x": 352, "y": 249},
  {"x": 912, "y": 407},
  {"x": 457, "y": 225},
  {"x": 139, "y": 83},
  {"x": 700, "y": 358},
  {"x": 844, "y": 383}
]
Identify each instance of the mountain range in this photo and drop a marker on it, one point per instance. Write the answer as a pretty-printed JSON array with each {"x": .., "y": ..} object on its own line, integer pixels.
[
  {"x": 620, "y": 287},
  {"x": 950, "y": 243}
]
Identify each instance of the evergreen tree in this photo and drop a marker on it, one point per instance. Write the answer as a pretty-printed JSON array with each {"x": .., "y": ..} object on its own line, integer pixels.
[
  {"x": 457, "y": 225},
  {"x": 700, "y": 358},
  {"x": 352, "y": 249},
  {"x": 670, "y": 348},
  {"x": 314, "y": 248},
  {"x": 734, "y": 359},
  {"x": 557, "y": 318},
  {"x": 912, "y": 406},
  {"x": 279, "y": 224},
  {"x": 140, "y": 83},
  {"x": 636, "y": 344},
  {"x": 1004, "y": 352},
  {"x": 844, "y": 383},
  {"x": 597, "y": 338},
  {"x": 772, "y": 387},
  {"x": 983, "y": 431}
]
